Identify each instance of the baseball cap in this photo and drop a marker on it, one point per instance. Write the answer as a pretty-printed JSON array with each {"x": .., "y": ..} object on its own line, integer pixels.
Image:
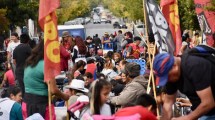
[{"x": 162, "y": 65}]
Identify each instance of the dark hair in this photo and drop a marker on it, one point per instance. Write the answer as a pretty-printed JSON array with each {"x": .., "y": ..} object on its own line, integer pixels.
[
  {"x": 185, "y": 37},
  {"x": 95, "y": 99},
  {"x": 160, "y": 90},
  {"x": 120, "y": 31},
  {"x": 24, "y": 38},
  {"x": 81, "y": 46},
  {"x": 196, "y": 34},
  {"x": 14, "y": 34},
  {"x": 113, "y": 82},
  {"x": 137, "y": 38},
  {"x": 37, "y": 54},
  {"x": 123, "y": 62},
  {"x": 88, "y": 75},
  {"x": 129, "y": 34},
  {"x": 146, "y": 100},
  {"x": 12, "y": 90},
  {"x": 88, "y": 38},
  {"x": 80, "y": 77},
  {"x": 100, "y": 75},
  {"x": 76, "y": 66}
]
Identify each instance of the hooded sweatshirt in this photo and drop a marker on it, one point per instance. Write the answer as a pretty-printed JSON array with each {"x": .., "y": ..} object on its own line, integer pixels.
[{"x": 131, "y": 92}]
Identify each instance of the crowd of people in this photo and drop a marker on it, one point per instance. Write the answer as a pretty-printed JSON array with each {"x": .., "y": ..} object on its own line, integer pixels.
[{"x": 101, "y": 84}]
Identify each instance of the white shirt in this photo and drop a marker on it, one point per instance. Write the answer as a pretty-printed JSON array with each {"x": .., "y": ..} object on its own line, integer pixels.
[{"x": 11, "y": 47}]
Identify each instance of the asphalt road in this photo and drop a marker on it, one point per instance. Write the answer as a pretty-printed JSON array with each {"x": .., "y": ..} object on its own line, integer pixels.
[{"x": 100, "y": 29}]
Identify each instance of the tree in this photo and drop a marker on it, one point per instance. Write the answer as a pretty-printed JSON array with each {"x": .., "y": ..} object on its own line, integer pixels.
[
  {"x": 18, "y": 11},
  {"x": 71, "y": 9},
  {"x": 4, "y": 23}
]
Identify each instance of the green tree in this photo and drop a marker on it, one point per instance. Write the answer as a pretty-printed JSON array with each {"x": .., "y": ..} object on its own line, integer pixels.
[
  {"x": 4, "y": 23},
  {"x": 18, "y": 11}
]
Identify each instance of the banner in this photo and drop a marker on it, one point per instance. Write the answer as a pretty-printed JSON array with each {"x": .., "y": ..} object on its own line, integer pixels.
[
  {"x": 170, "y": 12},
  {"x": 48, "y": 23},
  {"x": 206, "y": 19},
  {"x": 159, "y": 27}
]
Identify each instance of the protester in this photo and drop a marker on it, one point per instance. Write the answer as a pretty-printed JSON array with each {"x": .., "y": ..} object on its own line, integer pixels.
[
  {"x": 78, "y": 68},
  {"x": 76, "y": 89},
  {"x": 185, "y": 43},
  {"x": 99, "y": 94},
  {"x": 65, "y": 52},
  {"x": 193, "y": 76},
  {"x": 11, "y": 46},
  {"x": 118, "y": 40},
  {"x": 125, "y": 43},
  {"x": 88, "y": 79},
  {"x": 90, "y": 46},
  {"x": 79, "y": 50},
  {"x": 116, "y": 87},
  {"x": 8, "y": 79},
  {"x": 135, "y": 86},
  {"x": 20, "y": 54},
  {"x": 10, "y": 105},
  {"x": 117, "y": 58},
  {"x": 108, "y": 69},
  {"x": 91, "y": 66},
  {"x": 134, "y": 49},
  {"x": 36, "y": 90},
  {"x": 196, "y": 39},
  {"x": 106, "y": 38},
  {"x": 66, "y": 40}
]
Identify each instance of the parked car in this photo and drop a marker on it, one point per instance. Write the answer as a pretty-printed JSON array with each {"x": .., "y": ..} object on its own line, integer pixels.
[
  {"x": 116, "y": 25},
  {"x": 123, "y": 25},
  {"x": 96, "y": 19},
  {"x": 87, "y": 20},
  {"x": 108, "y": 21}
]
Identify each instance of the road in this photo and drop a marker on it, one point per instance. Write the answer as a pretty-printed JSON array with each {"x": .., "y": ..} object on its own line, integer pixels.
[{"x": 100, "y": 29}]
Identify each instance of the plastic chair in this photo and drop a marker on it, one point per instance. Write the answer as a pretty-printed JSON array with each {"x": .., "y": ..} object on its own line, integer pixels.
[{"x": 141, "y": 62}]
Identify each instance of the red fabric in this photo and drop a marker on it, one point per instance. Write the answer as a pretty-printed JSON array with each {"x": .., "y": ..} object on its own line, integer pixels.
[
  {"x": 208, "y": 22},
  {"x": 170, "y": 12},
  {"x": 64, "y": 57},
  {"x": 135, "y": 50},
  {"x": 144, "y": 113},
  {"x": 91, "y": 68},
  {"x": 48, "y": 23},
  {"x": 10, "y": 77},
  {"x": 24, "y": 112}
]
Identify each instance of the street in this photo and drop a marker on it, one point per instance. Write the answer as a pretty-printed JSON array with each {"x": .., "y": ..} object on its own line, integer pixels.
[{"x": 100, "y": 29}]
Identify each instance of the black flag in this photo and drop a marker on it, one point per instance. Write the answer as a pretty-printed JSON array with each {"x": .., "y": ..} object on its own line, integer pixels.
[{"x": 159, "y": 27}]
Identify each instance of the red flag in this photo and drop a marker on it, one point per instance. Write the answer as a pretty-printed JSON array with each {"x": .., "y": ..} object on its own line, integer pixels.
[
  {"x": 48, "y": 23},
  {"x": 206, "y": 20},
  {"x": 170, "y": 12}
]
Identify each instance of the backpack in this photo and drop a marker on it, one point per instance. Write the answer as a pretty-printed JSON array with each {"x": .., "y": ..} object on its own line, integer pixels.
[{"x": 203, "y": 51}]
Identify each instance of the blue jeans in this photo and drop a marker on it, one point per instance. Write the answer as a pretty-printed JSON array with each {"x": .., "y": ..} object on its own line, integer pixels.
[{"x": 212, "y": 117}]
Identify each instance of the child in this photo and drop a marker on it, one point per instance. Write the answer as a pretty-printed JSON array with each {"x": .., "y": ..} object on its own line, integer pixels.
[
  {"x": 78, "y": 68},
  {"x": 99, "y": 95},
  {"x": 88, "y": 78},
  {"x": 10, "y": 105}
]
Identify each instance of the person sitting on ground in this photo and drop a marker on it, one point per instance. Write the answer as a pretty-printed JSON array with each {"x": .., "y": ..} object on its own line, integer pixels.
[
  {"x": 8, "y": 79},
  {"x": 116, "y": 87},
  {"x": 108, "y": 69},
  {"x": 78, "y": 68},
  {"x": 145, "y": 106},
  {"x": 11, "y": 105},
  {"x": 76, "y": 89},
  {"x": 99, "y": 94},
  {"x": 135, "y": 86},
  {"x": 88, "y": 79}
]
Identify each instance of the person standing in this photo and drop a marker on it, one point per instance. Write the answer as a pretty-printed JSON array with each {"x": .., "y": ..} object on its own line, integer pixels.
[
  {"x": 134, "y": 49},
  {"x": 36, "y": 90},
  {"x": 20, "y": 54},
  {"x": 118, "y": 39},
  {"x": 11, "y": 46}
]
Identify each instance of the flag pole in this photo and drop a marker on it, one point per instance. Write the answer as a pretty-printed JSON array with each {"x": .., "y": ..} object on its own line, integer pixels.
[
  {"x": 151, "y": 75},
  {"x": 50, "y": 99}
]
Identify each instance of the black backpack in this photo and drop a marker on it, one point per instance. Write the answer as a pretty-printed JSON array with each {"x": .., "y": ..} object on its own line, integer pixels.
[{"x": 203, "y": 51}]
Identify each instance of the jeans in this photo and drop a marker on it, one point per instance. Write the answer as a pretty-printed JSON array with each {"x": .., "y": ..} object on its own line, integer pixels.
[{"x": 212, "y": 117}]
